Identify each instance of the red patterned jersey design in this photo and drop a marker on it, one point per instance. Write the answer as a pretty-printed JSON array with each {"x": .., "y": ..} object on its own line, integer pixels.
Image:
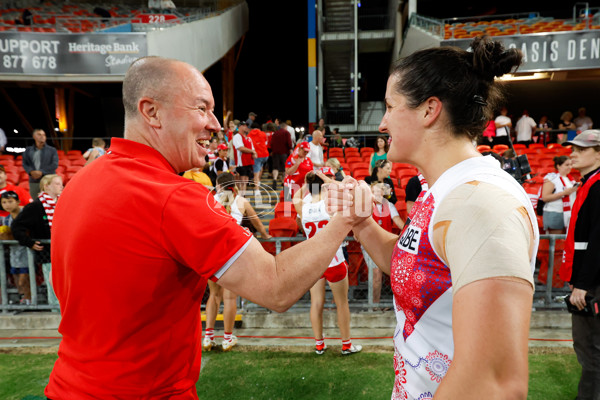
[
  {"x": 399, "y": 392},
  {"x": 419, "y": 279}
]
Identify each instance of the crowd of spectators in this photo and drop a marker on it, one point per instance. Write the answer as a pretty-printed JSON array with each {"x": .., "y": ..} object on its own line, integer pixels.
[{"x": 526, "y": 129}]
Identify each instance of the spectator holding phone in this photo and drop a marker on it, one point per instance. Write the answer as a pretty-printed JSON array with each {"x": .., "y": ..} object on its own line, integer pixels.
[
  {"x": 581, "y": 259},
  {"x": 558, "y": 194}
]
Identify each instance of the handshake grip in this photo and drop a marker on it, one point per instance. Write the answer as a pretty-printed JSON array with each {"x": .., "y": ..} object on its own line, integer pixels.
[{"x": 350, "y": 198}]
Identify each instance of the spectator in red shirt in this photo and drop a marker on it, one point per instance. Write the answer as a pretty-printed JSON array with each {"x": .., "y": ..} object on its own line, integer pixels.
[
  {"x": 296, "y": 167},
  {"x": 130, "y": 324},
  {"x": 244, "y": 155},
  {"x": 259, "y": 140},
  {"x": 281, "y": 145}
]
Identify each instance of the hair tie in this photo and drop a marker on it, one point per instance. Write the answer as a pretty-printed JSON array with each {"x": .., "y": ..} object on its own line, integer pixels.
[{"x": 479, "y": 100}]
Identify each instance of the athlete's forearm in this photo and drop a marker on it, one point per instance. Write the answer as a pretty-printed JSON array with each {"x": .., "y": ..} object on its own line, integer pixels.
[{"x": 378, "y": 242}]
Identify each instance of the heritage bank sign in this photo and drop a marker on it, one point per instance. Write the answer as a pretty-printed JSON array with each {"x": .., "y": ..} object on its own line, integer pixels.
[
  {"x": 550, "y": 51},
  {"x": 58, "y": 54}
]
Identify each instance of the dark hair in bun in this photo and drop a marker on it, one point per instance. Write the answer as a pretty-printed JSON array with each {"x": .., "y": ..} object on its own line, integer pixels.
[{"x": 463, "y": 80}]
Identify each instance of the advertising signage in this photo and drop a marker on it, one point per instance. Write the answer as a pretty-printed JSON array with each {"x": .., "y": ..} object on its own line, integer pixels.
[
  {"x": 550, "y": 51},
  {"x": 63, "y": 53}
]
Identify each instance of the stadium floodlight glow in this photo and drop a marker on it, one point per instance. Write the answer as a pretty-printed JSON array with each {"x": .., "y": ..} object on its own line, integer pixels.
[{"x": 525, "y": 77}]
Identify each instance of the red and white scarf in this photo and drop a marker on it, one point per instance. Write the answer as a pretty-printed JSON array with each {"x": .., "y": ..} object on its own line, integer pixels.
[{"x": 49, "y": 203}]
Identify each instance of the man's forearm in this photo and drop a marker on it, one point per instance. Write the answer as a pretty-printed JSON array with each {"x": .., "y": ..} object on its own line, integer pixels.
[{"x": 278, "y": 282}]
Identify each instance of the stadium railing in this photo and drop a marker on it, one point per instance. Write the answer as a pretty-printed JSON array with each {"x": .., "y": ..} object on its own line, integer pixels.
[{"x": 360, "y": 296}]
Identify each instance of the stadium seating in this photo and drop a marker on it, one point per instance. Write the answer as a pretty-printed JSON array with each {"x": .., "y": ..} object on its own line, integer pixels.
[
  {"x": 360, "y": 173},
  {"x": 543, "y": 257},
  {"x": 285, "y": 209},
  {"x": 351, "y": 151},
  {"x": 281, "y": 227},
  {"x": 366, "y": 151},
  {"x": 357, "y": 268},
  {"x": 336, "y": 152},
  {"x": 401, "y": 208},
  {"x": 353, "y": 159}
]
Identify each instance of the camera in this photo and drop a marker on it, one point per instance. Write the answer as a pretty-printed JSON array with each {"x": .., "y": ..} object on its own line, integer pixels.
[{"x": 517, "y": 167}]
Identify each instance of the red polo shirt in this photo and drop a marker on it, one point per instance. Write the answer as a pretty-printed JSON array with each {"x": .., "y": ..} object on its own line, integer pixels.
[
  {"x": 296, "y": 180},
  {"x": 133, "y": 245}
]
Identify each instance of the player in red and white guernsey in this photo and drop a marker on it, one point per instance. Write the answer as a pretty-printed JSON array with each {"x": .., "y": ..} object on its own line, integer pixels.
[
  {"x": 462, "y": 268},
  {"x": 311, "y": 211}
]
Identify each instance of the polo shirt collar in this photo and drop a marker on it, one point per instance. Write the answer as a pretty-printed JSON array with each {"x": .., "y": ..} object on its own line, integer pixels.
[{"x": 129, "y": 148}]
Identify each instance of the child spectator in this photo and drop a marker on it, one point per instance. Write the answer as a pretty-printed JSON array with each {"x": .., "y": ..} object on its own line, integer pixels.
[
  {"x": 18, "y": 254},
  {"x": 24, "y": 196},
  {"x": 35, "y": 223},
  {"x": 97, "y": 150}
]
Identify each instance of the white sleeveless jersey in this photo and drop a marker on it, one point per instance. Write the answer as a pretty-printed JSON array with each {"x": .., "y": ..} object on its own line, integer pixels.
[
  {"x": 422, "y": 284},
  {"x": 314, "y": 218},
  {"x": 234, "y": 209}
]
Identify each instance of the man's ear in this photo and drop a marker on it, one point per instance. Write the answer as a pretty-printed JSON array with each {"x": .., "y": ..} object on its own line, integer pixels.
[
  {"x": 148, "y": 109},
  {"x": 432, "y": 107}
]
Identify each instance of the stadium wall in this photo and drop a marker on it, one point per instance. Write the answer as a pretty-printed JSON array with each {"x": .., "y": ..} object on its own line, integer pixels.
[{"x": 201, "y": 43}]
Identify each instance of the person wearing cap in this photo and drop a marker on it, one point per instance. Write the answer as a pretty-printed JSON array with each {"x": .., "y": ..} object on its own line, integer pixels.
[
  {"x": 581, "y": 259},
  {"x": 24, "y": 197},
  {"x": 221, "y": 164},
  {"x": 251, "y": 118},
  {"x": 311, "y": 211},
  {"x": 297, "y": 166},
  {"x": 244, "y": 155}
]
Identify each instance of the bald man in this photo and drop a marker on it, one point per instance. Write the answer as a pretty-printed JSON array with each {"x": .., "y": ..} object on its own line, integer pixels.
[
  {"x": 316, "y": 150},
  {"x": 131, "y": 324}
]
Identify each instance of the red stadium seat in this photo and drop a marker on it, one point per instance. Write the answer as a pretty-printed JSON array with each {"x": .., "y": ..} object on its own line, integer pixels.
[
  {"x": 404, "y": 180},
  {"x": 400, "y": 194},
  {"x": 401, "y": 207},
  {"x": 283, "y": 227},
  {"x": 78, "y": 161},
  {"x": 358, "y": 165},
  {"x": 353, "y": 159},
  {"x": 351, "y": 151},
  {"x": 500, "y": 147},
  {"x": 285, "y": 209},
  {"x": 360, "y": 173},
  {"x": 366, "y": 151},
  {"x": 357, "y": 268},
  {"x": 544, "y": 256},
  {"x": 336, "y": 152}
]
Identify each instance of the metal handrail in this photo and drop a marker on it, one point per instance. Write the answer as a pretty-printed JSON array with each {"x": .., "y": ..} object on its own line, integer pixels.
[{"x": 548, "y": 298}]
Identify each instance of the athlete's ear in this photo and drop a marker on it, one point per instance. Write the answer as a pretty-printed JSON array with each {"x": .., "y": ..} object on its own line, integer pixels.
[{"x": 432, "y": 107}]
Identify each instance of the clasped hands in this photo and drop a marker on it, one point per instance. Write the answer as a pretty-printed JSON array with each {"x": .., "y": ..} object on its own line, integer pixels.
[{"x": 349, "y": 199}]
